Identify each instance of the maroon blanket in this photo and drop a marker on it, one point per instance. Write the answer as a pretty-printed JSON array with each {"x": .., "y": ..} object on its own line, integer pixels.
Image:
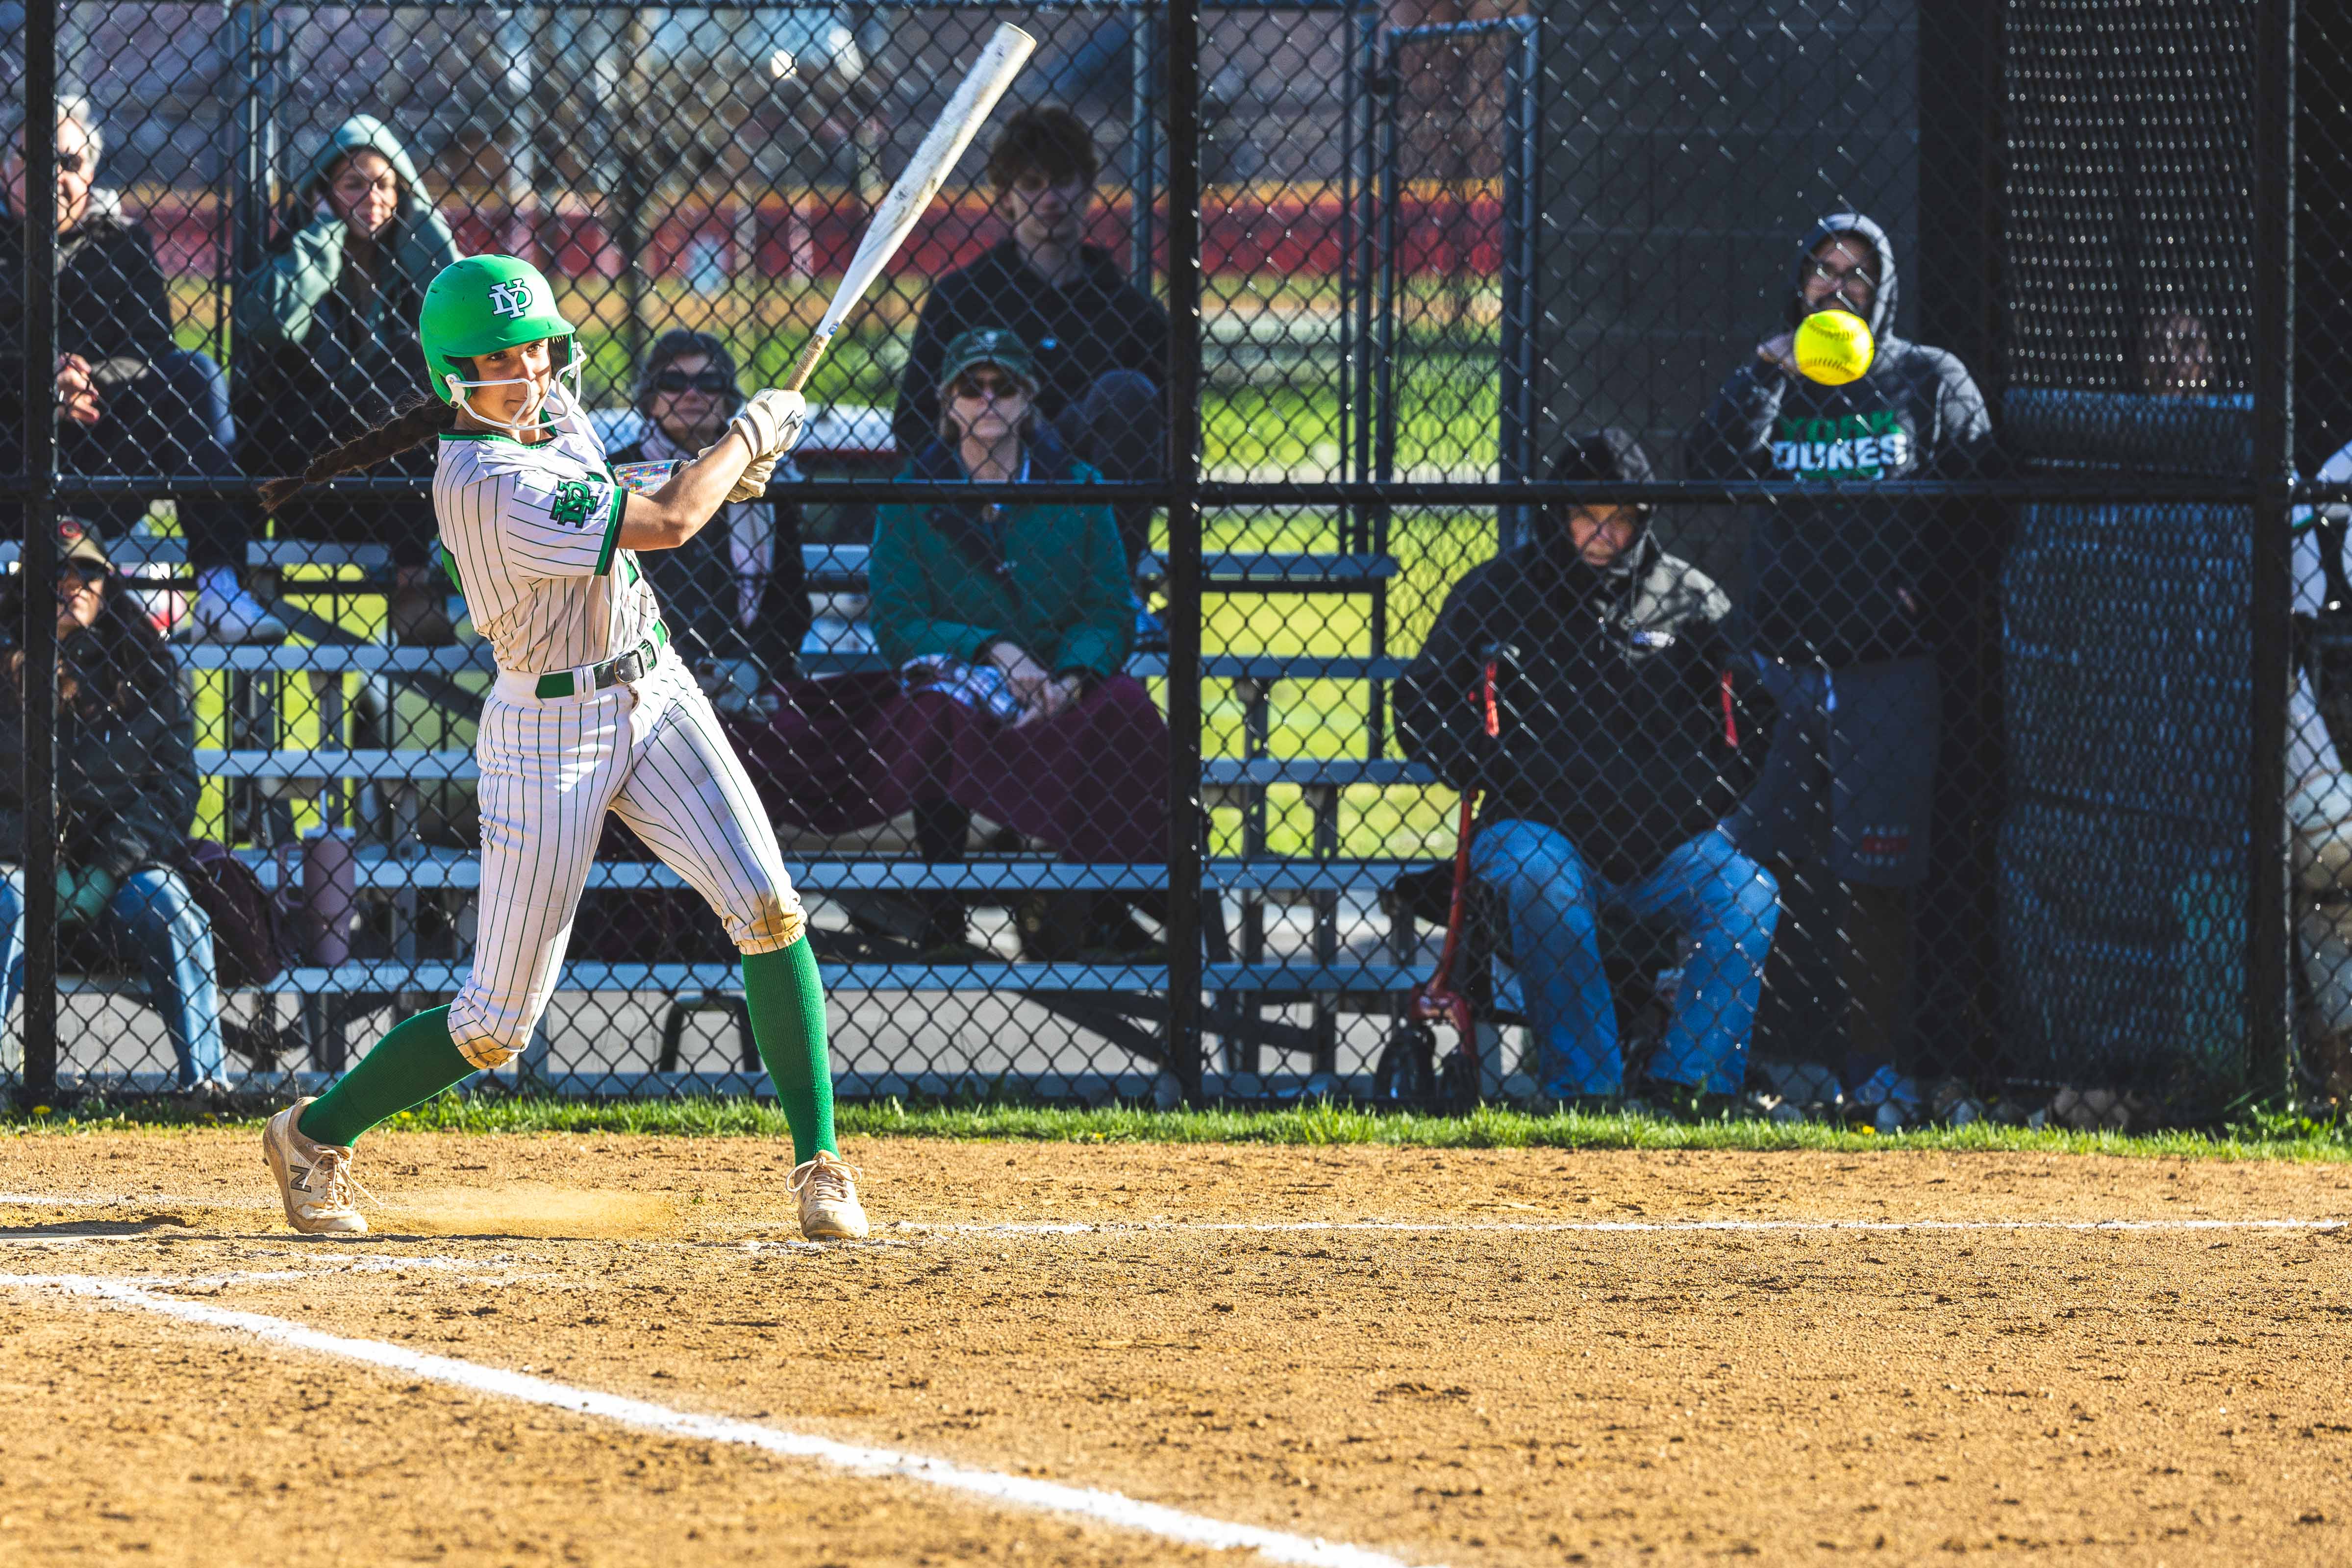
[{"x": 851, "y": 751}]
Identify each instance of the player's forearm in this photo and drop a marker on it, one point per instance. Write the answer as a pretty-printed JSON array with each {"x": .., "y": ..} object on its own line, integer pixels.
[{"x": 668, "y": 518}]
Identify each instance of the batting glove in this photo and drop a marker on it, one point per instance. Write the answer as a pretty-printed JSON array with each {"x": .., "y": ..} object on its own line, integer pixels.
[
  {"x": 771, "y": 423},
  {"x": 756, "y": 478}
]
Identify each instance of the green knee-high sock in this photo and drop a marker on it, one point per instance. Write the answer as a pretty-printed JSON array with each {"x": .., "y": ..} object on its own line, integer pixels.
[
  {"x": 787, "y": 1003},
  {"x": 408, "y": 1066}
]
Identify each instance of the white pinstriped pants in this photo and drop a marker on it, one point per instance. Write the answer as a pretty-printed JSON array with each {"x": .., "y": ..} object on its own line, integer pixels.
[{"x": 652, "y": 754}]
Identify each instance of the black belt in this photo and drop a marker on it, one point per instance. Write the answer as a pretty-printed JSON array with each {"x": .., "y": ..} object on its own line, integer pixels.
[{"x": 631, "y": 666}]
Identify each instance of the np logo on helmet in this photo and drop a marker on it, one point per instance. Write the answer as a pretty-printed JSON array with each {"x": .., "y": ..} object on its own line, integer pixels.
[{"x": 510, "y": 298}]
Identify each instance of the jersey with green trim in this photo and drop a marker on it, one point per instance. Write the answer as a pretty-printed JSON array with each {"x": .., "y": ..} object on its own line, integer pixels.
[{"x": 535, "y": 534}]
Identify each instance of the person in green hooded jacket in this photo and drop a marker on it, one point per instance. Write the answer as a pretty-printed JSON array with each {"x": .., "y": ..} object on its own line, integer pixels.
[{"x": 326, "y": 335}]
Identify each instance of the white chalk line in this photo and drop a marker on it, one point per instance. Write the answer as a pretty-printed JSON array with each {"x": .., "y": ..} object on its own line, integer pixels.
[
  {"x": 905, "y": 1230},
  {"x": 1109, "y": 1508},
  {"x": 210, "y": 1284},
  {"x": 1613, "y": 1227}
]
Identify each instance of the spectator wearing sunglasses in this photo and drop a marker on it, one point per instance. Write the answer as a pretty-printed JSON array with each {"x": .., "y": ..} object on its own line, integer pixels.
[
  {"x": 129, "y": 399},
  {"x": 734, "y": 597},
  {"x": 327, "y": 347},
  {"x": 126, "y": 794},
  {"x": 1098, "y": 344},
  {"x": 1010, "y": 624}
]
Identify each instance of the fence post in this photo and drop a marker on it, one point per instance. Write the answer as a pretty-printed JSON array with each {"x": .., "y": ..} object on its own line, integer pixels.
[
  {"x": 1185, "y": 846},
  {"x": 2270, "y": 934},
  {"x": 40, "y": 550}
]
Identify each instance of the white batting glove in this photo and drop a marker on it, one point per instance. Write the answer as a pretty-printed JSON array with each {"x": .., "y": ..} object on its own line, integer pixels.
[
  {"x": 756, "y": 478},
  {"x": 755, "y": 481},
  {"x": 771, "y": 422}
]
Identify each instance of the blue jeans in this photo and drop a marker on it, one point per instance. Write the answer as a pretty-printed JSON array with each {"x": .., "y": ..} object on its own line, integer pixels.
[
  {"x": 169, "y": 936},
  {"x": 1724, "y": 902}
]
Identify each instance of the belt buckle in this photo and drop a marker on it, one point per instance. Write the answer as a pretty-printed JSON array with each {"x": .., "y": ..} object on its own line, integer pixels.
[{"x": 630, "y": 667}]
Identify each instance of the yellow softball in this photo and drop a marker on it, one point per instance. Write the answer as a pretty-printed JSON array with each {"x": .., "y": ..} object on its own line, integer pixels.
[{"x": 1833, "y": 347}]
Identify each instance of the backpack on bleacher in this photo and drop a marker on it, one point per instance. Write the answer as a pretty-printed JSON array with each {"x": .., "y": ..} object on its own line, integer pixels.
[{"x": 250, "y": 929}]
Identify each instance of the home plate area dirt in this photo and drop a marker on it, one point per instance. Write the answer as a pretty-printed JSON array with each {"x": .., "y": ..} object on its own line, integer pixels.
[{"x": 1364, "y": 1355}]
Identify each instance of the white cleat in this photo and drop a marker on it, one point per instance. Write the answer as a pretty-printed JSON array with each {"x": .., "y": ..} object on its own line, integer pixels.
[
  {"x": 827, "y": 1188},
  {"x": 315, "y": 1180}
]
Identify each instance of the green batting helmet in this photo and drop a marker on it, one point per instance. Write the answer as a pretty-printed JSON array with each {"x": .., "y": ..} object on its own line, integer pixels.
[{"x": 483, "y": 303}]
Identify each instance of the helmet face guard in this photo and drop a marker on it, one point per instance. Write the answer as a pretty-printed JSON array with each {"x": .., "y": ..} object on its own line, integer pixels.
[
  {"x": 566, "y": 373},
  {"x": 480, "y": 305}
]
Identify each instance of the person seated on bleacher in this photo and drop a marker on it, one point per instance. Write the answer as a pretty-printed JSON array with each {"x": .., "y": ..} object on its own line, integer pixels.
[
  {"x": 1099, "y": 344},
  {"x": 1009, "y": 625},
  {"x": 1617, "y": 752},
  {"x": 326, "y": 335},
  {"x": 734, "y": 597},
  {"x": 129, "y": 399},
  {"x": 126, "y": 796}
]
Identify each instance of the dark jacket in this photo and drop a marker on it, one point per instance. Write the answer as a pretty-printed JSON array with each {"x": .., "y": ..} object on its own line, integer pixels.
[
  {"x": 1609, "y": 693},
  {"x": 125, "y": 747},
  {"x": 1049, "y": 576},
  {"x": 1827, "y": 579},
  {"x": 322, "y": 351},
  {"x": 1076, "y": 334},
  {"x": 111, "y": 299},
  {"x": 697, "y": 588}
]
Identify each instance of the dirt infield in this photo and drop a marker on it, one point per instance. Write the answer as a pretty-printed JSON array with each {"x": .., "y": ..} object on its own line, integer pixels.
[{"x": 1491, "y": 1357}]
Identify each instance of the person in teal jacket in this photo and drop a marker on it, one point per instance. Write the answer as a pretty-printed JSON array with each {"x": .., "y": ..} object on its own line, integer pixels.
[
  {"x": 1010, "y": 627},
  {"x": 326, "y": 346}
]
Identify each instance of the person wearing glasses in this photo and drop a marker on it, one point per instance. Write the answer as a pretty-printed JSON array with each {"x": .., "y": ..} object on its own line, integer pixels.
[
  {"x": 126, "y": 797},
  {"x": 1009, "y": 625},
  {"x": 1850, "y": 587},
  {"x": 735, "y": 595},
  {"x": 327, "y": 347},
  {"x": 1098, "y": 344},
  {"x": 129, "y": 399}
]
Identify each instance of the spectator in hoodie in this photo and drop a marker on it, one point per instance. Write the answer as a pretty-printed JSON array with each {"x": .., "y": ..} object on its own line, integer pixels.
[
  {"x": 1618, "y": 749},
  {"x": 1848, "y": 595},
  {"x": 734, "y": 597},
  {"x": 1099, "y": 344},
  {"x": 327, "y": 347},
  {"x": 129, "y": 399},
  {"x": 126, "y": 793}
]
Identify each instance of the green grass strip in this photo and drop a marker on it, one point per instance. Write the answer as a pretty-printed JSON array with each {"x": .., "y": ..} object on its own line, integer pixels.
[{"x": 2266, "y": 1136}]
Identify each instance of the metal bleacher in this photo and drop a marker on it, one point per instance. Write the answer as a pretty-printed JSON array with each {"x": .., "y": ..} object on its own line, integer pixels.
[{"x": 1122, "y": 1003}]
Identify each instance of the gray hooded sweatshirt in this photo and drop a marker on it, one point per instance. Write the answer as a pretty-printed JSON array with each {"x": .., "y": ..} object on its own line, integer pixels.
[{"x": 1827, "y": 579}]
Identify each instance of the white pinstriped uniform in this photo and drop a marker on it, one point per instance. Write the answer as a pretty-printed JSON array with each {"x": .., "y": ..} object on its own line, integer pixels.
[{"x": 533, "y": 531}]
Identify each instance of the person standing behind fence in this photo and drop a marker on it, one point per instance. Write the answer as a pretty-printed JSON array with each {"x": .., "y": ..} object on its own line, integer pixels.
[
  {"x": 327, "y": 347},
  {"x": 734, "y": 596},
  {"x": 1848, "y": 594},
  {"x": 129, "y": 399},
  {"x": 126, "y": 792},
  {"x": 1099, "y": 344}
]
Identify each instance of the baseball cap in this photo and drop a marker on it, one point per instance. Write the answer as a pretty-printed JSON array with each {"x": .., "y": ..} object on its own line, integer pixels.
[
  {"x": 75, "y": 543},
  {"x": 989, "y": 346}
]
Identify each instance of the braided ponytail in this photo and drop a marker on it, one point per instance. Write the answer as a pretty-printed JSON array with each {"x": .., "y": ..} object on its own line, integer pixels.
[{"x": 412, "y": 426}]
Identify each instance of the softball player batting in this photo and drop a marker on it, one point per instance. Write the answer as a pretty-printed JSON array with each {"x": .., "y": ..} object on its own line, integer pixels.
[{"x": 591, "y": 712}]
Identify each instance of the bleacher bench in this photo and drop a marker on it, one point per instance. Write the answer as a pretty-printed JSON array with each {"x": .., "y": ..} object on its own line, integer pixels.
[{"x": 841, "y": 570}]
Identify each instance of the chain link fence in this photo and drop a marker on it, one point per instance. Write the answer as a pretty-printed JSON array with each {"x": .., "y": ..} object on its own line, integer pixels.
[{"x": 1718, "y": 555}]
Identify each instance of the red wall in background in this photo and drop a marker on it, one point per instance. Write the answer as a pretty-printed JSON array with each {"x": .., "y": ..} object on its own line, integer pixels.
[{"x": 1244, "y": 234}]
